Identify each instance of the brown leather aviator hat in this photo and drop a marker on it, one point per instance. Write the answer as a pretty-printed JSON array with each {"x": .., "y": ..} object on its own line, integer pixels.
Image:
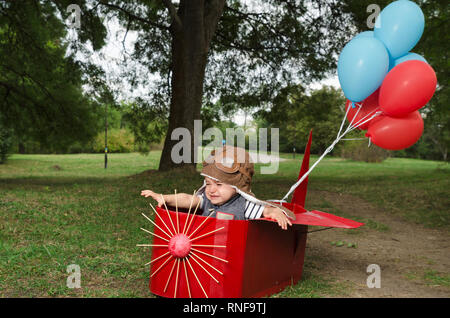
[{"x": 234, "y": 166}]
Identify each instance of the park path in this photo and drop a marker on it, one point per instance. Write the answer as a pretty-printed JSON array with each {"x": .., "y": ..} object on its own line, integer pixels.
[{"x": 405, "y": 253}]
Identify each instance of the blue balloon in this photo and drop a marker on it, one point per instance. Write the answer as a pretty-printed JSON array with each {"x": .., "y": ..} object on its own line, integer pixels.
[
  {"x": 368, "y": 34},
  {"x": 362, "y": 66},
  {"x": 400, "y": 26},
  {"x": 408, "y": 57},
  {"x": 391, "y": 61}
]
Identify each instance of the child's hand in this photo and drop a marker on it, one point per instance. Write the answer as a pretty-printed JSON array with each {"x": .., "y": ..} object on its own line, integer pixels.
[
  {"x": 158, "y": 197},
  {"x": 277, "y": 215}
]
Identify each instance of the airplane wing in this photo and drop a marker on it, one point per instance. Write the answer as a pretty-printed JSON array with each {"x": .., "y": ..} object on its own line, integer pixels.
[
  {"x": 319, "y": 218},
  {"x": 325, "y": 219}
]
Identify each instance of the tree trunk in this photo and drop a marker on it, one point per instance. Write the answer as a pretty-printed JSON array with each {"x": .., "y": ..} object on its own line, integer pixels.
[
  {"x": 190, "y": 46},
  {"x": 21, "y": 148}
]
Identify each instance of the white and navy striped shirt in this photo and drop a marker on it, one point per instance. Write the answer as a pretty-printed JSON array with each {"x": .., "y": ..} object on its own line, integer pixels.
[
  {"x": 252, "y": 210},
  {"x": 241, "y": 208}
]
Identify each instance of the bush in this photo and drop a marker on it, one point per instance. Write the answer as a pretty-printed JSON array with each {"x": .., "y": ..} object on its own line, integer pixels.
[
  {"x": 119, "y": 140},
  {"x": 357, "y": 150}
]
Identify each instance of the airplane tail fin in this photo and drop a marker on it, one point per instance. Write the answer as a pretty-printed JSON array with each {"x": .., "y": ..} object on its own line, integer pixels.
[{"x": 299, "y": 195}]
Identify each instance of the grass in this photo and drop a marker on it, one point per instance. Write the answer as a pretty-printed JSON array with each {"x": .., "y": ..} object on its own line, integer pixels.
[
  {"x": 57, "y": 210},
  {"x": 430, "y": 277},
  {"x": 313, "y": 286}
]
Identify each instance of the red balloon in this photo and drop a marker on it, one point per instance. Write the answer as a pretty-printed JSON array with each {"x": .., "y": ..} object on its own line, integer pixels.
[
  {"x": 407, "y": 87},
  {"x": 396, "y": 133},
  {"x": 368, "y": 106}
]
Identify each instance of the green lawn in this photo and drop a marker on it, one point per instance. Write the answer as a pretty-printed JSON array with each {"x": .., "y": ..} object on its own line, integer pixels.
[{"x": 57, "y": 210}]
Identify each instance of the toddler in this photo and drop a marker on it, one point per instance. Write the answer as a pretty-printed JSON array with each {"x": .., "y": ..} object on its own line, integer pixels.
[{"x": 226, "y": 191}]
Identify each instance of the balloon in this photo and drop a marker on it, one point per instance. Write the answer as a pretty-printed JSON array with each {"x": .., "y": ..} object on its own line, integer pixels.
[
  {"x": 365, "y": 34},
  {"x": 400, "y": 26},
  {"x": 408, "y": 57},
  {"x": 407, "y": 87},
  {"x": 391, "y": 63},
  {"x": 362, "y": 66},
  {"x": 368, "y": 108},
  {"x": 396, "y": 133}
]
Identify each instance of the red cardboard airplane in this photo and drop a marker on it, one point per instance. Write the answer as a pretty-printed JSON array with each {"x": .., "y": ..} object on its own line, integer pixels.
[{"x": 198, "y": 256}]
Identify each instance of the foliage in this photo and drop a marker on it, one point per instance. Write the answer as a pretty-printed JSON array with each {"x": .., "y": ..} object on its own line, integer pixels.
[
  {"x": 147, "y": 125},
  {"x": 359, "y": 151},
  {"x": 435, "y": 47},
  {"x": 52, "y": 97},
  {"x": 234, "y": 51},
  {"x": 267, "y": 45},
  {"x": 211, "y": 114},
  {"x": 119, "y": 140},
  {"x": 295, "y": 113},
  {"x": 121, "y": 136},
  {"x": 256, "y": 47},
  {"x": 40, "y": 84}
]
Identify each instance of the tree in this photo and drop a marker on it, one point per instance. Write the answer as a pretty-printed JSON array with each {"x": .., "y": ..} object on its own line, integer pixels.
[
  {"x": 435, "y": 46},
  {"x": 41, "y": 94},
  {"x": 296, "y": 113},
  {"x": 5, "y": 143},
  {"x": 230, "y": 50},
  {"x": 140, "y": 120}
]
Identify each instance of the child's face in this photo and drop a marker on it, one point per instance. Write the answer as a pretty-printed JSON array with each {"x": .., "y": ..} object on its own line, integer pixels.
[{"x": 218, "y": 193}]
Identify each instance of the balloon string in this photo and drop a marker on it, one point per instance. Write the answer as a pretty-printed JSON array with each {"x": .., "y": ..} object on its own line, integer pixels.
[
  {"x": 356, "y": 114},
  {"x": 329, "y": 149},
  {"x": 346, "y": 114},
  {"x": 338, "y": 138},
  {"x": 364, "y": 120},
  {"x": 343, "y": 122}
]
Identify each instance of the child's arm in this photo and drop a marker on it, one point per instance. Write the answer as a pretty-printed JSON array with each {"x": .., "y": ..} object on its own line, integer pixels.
[
  {"x": 183, "y": 200},
  {"x": 277, "y": 215}
]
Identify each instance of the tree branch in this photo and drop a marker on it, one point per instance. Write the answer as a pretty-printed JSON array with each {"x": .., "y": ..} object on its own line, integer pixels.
[
  {"x": 214, "y": 10},
  {"x": 242, "y": 14},
  {"x": 173, "y": 13},
  {"x": 135, "y": 17},
  {"x": 31, "y": 78},
  {"x": 25, "y": 96},
  {"x": 252, "y": 52}
]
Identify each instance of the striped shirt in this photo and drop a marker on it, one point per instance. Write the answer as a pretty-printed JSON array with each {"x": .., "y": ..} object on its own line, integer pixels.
[
  {"x": 252, "y": 210},
  {"x": 238, "y": 206}
]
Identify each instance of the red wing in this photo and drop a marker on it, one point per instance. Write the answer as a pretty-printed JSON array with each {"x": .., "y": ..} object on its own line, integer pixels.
[
  {"x": 319, "y": 218},
  {"x": 325, "y": 219}
]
